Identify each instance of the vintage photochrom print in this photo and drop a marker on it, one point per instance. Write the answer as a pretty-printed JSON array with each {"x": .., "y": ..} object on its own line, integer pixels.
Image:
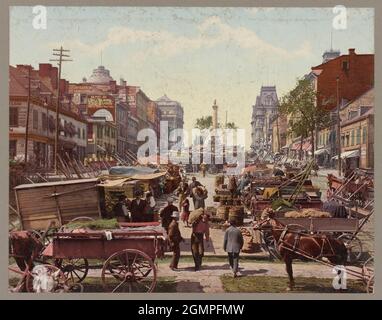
[{"x": 191, "y": 149}]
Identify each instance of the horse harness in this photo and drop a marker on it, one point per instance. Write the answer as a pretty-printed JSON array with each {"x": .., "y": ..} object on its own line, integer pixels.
[{"x": 297, "y": 238}]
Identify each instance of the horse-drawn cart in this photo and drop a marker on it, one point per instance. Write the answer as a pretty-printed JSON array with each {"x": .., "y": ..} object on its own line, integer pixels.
[
  {"x": 345, "y": 229},
  {"x": 128, "y": 253},
  {"x": 316, "y": 241}
]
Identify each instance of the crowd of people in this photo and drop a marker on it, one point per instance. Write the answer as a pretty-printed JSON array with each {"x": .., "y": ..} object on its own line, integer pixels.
[
  {"x": 198, "y": 220},
  {"x": 142, "y": 209}
]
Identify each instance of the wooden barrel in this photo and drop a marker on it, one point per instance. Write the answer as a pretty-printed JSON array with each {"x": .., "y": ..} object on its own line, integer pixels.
[
  {"x": 216, "y": 198},
  {"x": 222, "y": 212},
  {"x": 236, "y": 213},
  {"x": 219, "y": 180}
]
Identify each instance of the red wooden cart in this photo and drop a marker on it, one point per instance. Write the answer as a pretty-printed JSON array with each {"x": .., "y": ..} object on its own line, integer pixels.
[{"x": 128, "y": 253}]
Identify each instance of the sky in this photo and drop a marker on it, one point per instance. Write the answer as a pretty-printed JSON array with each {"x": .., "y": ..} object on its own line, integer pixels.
[{"x": 193, "y": 55}]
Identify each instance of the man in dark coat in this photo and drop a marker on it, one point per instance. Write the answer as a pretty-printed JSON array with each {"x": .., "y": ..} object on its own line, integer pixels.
[
  {"x": 137, "y": 208},
  {"x": 233, "y": 242},
  {"x": 120, "y": 209},
  {"x": 174, "y": 238},
  {"x": 166, "y": 214}
]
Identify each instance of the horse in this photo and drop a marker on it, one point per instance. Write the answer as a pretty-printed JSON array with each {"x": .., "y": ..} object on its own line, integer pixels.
[
  {"x": 24, "y": 247},
  {"x": 295, "y": 244}
]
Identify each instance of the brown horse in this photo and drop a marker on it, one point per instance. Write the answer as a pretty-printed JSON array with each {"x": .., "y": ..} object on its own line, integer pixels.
[
  {"x": 24, "y": 247},
  {"x": 293, "y": 244}
]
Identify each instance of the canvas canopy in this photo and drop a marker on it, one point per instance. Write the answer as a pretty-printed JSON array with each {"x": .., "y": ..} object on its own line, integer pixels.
[{"x": 131, "y": 171}]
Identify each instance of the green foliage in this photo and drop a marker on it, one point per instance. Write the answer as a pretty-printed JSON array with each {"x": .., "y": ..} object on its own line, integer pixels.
[
  {"x": 300, "y": 105},
  {"x": 204, "y": 122},
  {"x": 100, "y": 224},
  {"x": 231, "y": 125}
]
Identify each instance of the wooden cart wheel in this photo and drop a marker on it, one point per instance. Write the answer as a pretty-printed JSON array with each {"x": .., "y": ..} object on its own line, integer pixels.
[
  {"x": 353, "y": 246},
  {"x": 129, "y": 270},
  {"x": 370, "y": 285},
  {"x": 75, "y": 270},
  {"x": 53, "y": 275},
  {"x": 367, "y": 269}
]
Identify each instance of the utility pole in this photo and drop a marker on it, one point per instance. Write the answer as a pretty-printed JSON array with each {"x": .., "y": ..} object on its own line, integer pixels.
[
  {"x": 28, "y": 112},
  {"x": 61, "y": 54},
  {"x": 338, "y": 129}
]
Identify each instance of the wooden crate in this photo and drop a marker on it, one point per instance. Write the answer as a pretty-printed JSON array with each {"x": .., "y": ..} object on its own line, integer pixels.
[{"x": 41, "y": 204}]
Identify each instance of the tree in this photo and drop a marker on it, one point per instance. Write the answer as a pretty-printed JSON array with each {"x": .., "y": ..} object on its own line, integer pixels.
[
  {"x": 305, "y": 117},
  {"x": 204, "y": 122},
  {"x": 230, "y": 125}
]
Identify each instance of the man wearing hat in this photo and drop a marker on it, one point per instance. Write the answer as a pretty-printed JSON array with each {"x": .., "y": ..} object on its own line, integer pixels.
[
  {"x": 166, "y": 213},
  {"x": 138, "y": 207},
  {"x": 174, "y": 238},
  {"x": 233, "y": 242}
]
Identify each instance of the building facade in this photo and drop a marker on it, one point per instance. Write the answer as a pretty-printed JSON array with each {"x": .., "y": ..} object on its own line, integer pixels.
[
  {"x": 279, "y": 132},
  {"x": 338, "y": 81},
  {"x": 101, "y": 139},
  {"x": 357, "y": 132},
  {"x": 42, "y": 117},
  {"x": 171, "y": 111},
  {"x": 101, "y": 97},
  {"x": 263, "y": 112}
]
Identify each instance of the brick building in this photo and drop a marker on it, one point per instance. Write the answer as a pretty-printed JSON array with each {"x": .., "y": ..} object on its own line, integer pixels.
[
  {"x": 355, "y": 73},
  {"x": 42, "y": 117}
]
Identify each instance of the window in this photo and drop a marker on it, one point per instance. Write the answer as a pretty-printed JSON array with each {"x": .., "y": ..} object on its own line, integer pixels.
[
  {"x": 345, "y": 65},
  {"x": 35, "y": 119},
  {"x": 358, "y": 136},
  {"x": 13, "y": 117},
  {"x": 343, "y": 141},
  {"x": 12, "y": 147},
  {"x": 364, "y": 135},
  {"x": 83, "y": 133},
  {"x": 78, "y": 133},
  {"x": 44, "y": 122},
  {"x": 352, "y": 137},
  {"x": 99, "y": 132}
]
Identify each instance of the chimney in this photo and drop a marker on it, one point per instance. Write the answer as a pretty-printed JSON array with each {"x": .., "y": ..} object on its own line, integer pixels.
[
  {"x": 351, "y": 51},
  {"x": 44, "y": 69}
]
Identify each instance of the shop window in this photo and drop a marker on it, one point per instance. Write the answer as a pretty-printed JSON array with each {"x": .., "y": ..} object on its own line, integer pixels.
[{"x": 13, "y": 117}]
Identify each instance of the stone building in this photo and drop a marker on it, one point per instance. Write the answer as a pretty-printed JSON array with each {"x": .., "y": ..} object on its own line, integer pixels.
[
  {"x": 101, "y": 97},
  {"x": 264, "y": 110},
  {"x": 172, "y": 112}
]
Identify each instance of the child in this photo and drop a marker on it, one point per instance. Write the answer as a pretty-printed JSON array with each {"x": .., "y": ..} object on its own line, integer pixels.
[{"x": 185, "y": 211}]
